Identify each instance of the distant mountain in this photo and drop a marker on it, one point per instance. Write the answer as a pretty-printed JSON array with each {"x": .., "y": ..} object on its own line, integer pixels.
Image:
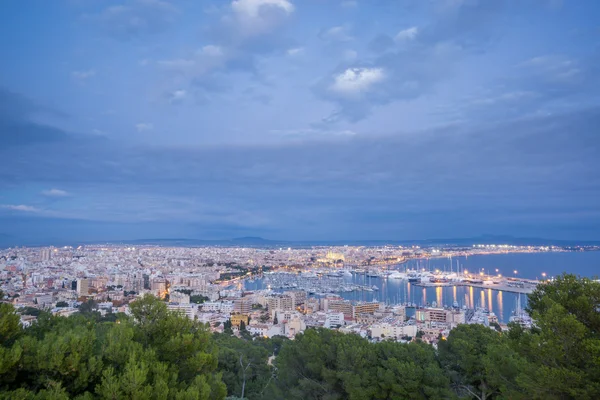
[{"x": 255, "y": 241}]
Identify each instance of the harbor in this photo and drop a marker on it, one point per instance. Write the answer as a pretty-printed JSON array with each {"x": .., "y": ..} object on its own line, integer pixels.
[{"x": 407, "y": 287}]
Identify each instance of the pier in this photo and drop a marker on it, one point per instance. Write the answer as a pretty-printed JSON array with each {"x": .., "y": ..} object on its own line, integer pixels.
[{"x": 527, "y": 287}]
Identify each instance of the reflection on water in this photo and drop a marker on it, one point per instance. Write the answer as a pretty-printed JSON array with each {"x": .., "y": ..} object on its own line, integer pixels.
[
  {"x": 395, "y": 291},
  {"x": 454, "y": 293},
  {"x": 500, "y": 303},
  {"x": 471, "y": 302}
]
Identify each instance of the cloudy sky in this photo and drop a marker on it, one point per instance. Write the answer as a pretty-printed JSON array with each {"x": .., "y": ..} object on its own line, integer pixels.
[{"x": 299, "y": 119}]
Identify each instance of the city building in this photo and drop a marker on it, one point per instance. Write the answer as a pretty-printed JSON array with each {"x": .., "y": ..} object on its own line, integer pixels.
[
  {"x": 83, "y": 287},
  {"x": 237, "y": 319}
]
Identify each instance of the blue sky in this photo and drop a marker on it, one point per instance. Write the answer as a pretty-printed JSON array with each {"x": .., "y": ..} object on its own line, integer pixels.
[{"x": 299, "y": 120}]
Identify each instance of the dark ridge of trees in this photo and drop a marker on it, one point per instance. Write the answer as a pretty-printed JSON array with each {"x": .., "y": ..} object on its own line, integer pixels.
[{"x": 157, "y": 354}]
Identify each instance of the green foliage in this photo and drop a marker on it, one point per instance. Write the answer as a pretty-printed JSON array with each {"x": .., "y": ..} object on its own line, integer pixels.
[
  {"x": 62, "y": 304},
  {"x": 196, "y": 299},
  {"x": 30, "y": 311},
  {"x": 155, "y": 354},
  {"x": 88, "y": 306},
  {"x": 158, "y": 354},
  {"x": 245, "y": 361},
  {"x": 562, "y": 354},
  {"x": 464, "y": 355},
  {"x": 10, "y": 324},
  {"x": 328, "y": 364}
]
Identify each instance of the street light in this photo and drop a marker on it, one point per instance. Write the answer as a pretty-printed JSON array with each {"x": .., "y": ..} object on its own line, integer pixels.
[{"x": 544, "y": 275}]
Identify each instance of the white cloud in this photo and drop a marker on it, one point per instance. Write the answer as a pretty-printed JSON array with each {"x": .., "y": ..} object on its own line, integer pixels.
[
  {"x": 407, "y": 34},
  {"x": 354, "y": 81},
  {"x": 308, "y": 132},
  {"x": 177, "y": 96},
  {"x": 349, "y": 4},
  {"x": 350, "y": 55},
  {"x": 296, "y": 51},
  {"x": 20, "y": 207},
  {"x": 55, "y": 193},
  {"x": 257, "y": 17},
  {"x": 83, "y": 75},
  {"x": 136, "y": 18},
  {"x": 336, "y": 34},
  {"x": 144, "y": 126},
  {"x": 211, "y": 51},
  {"x": 178, "y": 63},
  {"x": 252, "y": 8}
]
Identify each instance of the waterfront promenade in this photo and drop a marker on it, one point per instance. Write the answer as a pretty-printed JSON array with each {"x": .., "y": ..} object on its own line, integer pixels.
[{"x": 527, "y": 287}]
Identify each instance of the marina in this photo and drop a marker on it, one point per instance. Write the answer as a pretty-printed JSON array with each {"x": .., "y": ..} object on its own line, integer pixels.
[{"x": 396, "y": 287}]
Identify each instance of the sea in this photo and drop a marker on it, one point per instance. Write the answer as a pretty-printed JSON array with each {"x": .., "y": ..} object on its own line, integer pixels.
[{"x": 502, "y": 303}]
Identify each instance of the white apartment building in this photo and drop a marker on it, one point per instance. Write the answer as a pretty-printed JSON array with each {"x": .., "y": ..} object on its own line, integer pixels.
[
  {"x": 334, "y": 319},
  {"x": 397, "y": 331}
]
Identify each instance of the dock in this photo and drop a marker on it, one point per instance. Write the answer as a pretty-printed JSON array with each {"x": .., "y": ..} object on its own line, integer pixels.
[{"x": 504, "y": 287}]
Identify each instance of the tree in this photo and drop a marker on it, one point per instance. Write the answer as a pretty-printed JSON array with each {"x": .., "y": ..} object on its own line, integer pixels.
[
  {"x": 196, "y": 299},
  {"x": 88, "y": 306},
  {"x": 327, "y": 364},
  {"x": 62, "y": 304},
  {"x": 562, "y": 352},
  {"x": 227, "y": 327},
  {"x": 464, "y": 356},
  {"x": 10, "y": 324},
  {"x": 244, "y": 367},
  {"x": 159, "y": 355},
  {"x": 30, "y": 311}
]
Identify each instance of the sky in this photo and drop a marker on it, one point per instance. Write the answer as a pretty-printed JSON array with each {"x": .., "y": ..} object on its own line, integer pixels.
[{"x": 299, "y": 119}]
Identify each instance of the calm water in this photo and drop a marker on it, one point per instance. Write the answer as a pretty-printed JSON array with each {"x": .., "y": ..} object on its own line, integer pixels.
[{"x": 529, "y": 265}]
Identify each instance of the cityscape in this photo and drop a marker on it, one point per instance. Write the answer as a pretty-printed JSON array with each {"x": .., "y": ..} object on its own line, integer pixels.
[
  {"x": 301, "y": 287},
  {"x": 300, "y": 200}
]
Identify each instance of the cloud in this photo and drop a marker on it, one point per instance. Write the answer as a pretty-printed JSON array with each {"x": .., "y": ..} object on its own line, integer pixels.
[
  {"x": 18, "y": 126},
  {"x": 295, "y": 51},
  {"x": 349, "y": 4},
  {"x": 246, "y": 32},
  {"x": 316, "y": 178},
  {"x": 83, "y": 75},
  {"x": 312, "y": 133},
  {"x": 257, "y": 17},
  {"x": 251, "y": 9},
  {"x": 211, "y": 51},
  {"x": 177, "y": 96},
  {"x": 136, "y": 18},
  {"x": 336, "y": 34},
  {"x": 355, "y": 81},
  {"x": 20, "y": 207},
  {"x": 144, "y": 126},
  {"x": 55, "y": 193},
  {"x": 416, "y": 62},
  {"x": 407, "y": 34}
]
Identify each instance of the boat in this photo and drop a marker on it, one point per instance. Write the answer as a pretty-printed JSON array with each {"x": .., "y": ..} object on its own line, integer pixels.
[
  {"x": 414, "y": 279},
  {"x": 375, "y": 287},
  {"x": 397, "y": 275},
  {"x": 347, "y": 273}
]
